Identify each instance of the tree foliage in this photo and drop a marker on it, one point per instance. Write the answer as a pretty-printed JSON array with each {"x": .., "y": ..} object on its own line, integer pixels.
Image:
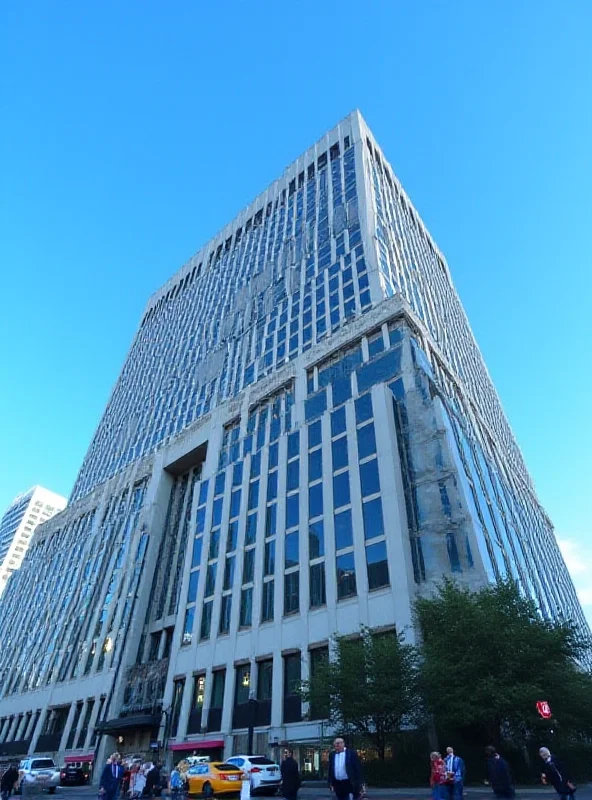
[
  {"x": 369, "y": 687},
  {"x": 488, "y": 657}
]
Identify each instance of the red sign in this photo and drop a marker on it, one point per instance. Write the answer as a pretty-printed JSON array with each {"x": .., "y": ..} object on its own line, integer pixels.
[{"x": 544, "y": 709}]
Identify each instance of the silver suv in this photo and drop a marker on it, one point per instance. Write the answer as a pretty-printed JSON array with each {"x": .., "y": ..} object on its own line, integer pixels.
[{"x": 39, "y": 771}]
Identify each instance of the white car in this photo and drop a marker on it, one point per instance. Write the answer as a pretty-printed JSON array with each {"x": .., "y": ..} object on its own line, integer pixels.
[
  {"x": 40, "y": 771},
  {"x": 265, "y": 774}
]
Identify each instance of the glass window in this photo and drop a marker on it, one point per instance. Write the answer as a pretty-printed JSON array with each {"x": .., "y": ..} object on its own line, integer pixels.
[
  {"x": 249, "y": 565},
  {"x": 315, "y": 465},
  {"x": 316, "y": 539},
  {"x": 292, "y": 515},
  {"x": 237, "y": 474},
  {"x": 314, "y": 434},
  {"x": 264, "y": 680},
  {"x": 246, "y": 608},
  {"x": 272, "y": 486},
  {"x": 243, "y": 684},
  {"x": 291, "y": 592},
  {"x": 346, "y": 576},
  {"x": 200, "y": 520},
  {"x": 315, "y": 501},
  {"x": 225, "y": 613},
  {"x": 291, "y": 552},
  {"x": 188, "y": 626},
  {"x": 229, "y": 572},
  {"x": 218, "y": 681},
  {"x": 214, "y": 544},
  {"x": 293, "y": 478},
  {"x": 270, "y": 520},
  {"x": 341, "y": 495},
  {"x": 206, "y": 621},
  {"x": 219, "y": 485},
  {"x": 317, "y": 585},
  {"x": 373, "y": 521},
  {"x": 255, "y": 465},
  {"x": 273, "y": 456},
  {"x": 193, "y": 583},
  {"x": 338, "y": 422},
  {"x": 369, "y": 477},
  {"x": 366, "y": 441},
  {"x": 344, "y": 534},
  {"x": 315, "y": 405},
  {"x": 217, "y": 513},
  {"x": 196, "y": 555},
  {"x": 267, "y": 601},
  {"x": 210, "y": 579},
  {"x": 251, "y": 529},
  {"x": 231, "y": 536},
  {"x": 379, "y": 370},
  {"x": 253, "y": 495},
  {"x": 378, "y": 574},
  {"x": 339, "y": 452},
  {"x": 269, "y": 560},
  {"x": 293, "y": 444},
  {"x": 375, "y": 345},
  {"x": 235, "y": 499},
  {"x": 203, "y": 493}
]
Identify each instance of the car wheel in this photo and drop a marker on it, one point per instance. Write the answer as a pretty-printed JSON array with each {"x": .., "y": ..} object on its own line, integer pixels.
[
  {"x": 51, "y": 790},
  {"x": 206, "y": 789}
]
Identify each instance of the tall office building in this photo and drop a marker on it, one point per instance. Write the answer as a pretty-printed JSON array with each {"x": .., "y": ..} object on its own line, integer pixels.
[
  {"x": 18, "y": 524},
  {"x": 303, "y": 438}
]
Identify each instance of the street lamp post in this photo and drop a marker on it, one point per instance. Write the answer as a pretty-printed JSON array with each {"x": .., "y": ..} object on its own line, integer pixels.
[{"x": 253, "y": 705}]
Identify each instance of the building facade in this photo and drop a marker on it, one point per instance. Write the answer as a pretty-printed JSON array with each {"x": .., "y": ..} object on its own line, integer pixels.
[
  {"x": 18, "y": 524},
  {"x": 303, "y": 438}
]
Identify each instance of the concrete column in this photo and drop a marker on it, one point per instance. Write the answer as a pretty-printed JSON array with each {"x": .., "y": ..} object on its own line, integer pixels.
[
  {"x": 80, "y": 723},
  {"x": 4, "y": 728},
  {"x": 277, "y": 691},
  {"x": 92, "y": 722},
  {"x": 20, "y": 732},
  {"x": 31, "y": 725},
  {"x": 67, "y": 726},
  {"x": 228, "y": 698},
  {"x": 12, "y": 729},
  {"x": 37, "y": 730}
]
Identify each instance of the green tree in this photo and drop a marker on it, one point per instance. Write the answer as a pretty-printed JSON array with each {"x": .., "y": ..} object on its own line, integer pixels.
[
  {"x": 488, "y": 657},
  {"x": 369, "y": 687}
]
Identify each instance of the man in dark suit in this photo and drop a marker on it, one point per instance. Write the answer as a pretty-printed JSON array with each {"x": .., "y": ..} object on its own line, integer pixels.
[
  {"x": 557, "y": 774},
  {"x": 290, "y": 776},
  {"x": 345, "y": 771},
  {"x": 111, "y": 778}
]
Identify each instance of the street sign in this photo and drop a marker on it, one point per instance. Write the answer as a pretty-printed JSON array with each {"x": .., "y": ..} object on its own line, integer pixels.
[{"x": 544, "y": 709}]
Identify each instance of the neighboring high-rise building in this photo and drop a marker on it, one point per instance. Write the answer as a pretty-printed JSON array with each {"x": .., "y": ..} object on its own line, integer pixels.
[
  {"x": 18, "y": 525},
  {"x": 303, "y": 438}
]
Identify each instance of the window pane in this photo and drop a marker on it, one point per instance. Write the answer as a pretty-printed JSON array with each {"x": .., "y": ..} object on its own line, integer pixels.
[
  {"x": 369, "y": 478},
  {"x": 232, "y": 536},
  {"x": 188, "y": 626},
  {"x": 363, "y": 408},
  {"x": 217, "y": 698},
  {"x": 210, "y": 580},
  {"x": 344, "y": 534},
  {"x": 292, "y": 516},
  {"x": 293, "y": 478},
  {"x": 217, "y": 513},
  {"x": 246, "y": 609},
  {"x": 249, "y": 565},
  {"x": 253, "y": 495},
  {"x": 339, "y": 451},
  {"x": 273, "y": 456},
  {"x": 235, "y": 499},
  {"x": 341, "y": 490},
  {"x": 291, "y": 558},
  {"x": 338, "y": 422},
  {"x": 315, "y": 465},
  {"x": 196, "y": 555},
  {"x": 267, "y": 603},
  {"x": 366, "y": 441},
  {"x": 251, "y": 530},
  {"x": 272, "y": 485},
  {"x": 270, "y": 520},
  {"x": 243, "y": 684},
  {"x": 346, "y": 576},
  {"x": 193, "y": 582},
  {"x": 255, "y": 465},
  {"x": 315, "y": 500},
  {"x": 237, "y": 474},
  {"x": 378, "y": 574},
  {"x": 264, "y": 680},
  {"x": 269, "y": 561},
  {"x": 219, "y": 484},
  {"x": 373, "y": 521},
  {"x": 316, "y": 539},
  {"x": 225, "y": 613},
  {"x": 314, "y": 434},
  {"x": 200, "y": 520},
  {"x": 293, "y": 444},
  {"x": 317, "y": 585},
  {"x": 214, "y": 543},
  {"x": 206, "y": 621},
  {"x": 291, "y": 592},
  {"x": 229, "y": 572}
]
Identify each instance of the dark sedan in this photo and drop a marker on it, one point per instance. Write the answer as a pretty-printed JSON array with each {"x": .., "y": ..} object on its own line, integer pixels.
[{"x": 71, "y": 775}]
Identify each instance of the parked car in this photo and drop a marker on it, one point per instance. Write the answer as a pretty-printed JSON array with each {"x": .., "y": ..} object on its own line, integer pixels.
[
  {"x": 41, "y": 771},
  {"x": 74, "y": 775},
  {"x": 266, "y": 776},
  {"x": 215, "y": 777}
]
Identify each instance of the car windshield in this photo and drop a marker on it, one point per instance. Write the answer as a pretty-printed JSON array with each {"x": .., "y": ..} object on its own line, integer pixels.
[
  {"x": 42, "y": 763},
  {"x": 260, "y": 760},
  {"x": 227, "y": 767}
]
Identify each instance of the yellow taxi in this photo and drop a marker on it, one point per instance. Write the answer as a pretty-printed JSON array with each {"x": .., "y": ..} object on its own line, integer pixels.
[{"x": 214, "y": 778}]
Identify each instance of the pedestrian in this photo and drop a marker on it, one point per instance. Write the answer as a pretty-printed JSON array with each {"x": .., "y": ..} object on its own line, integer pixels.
[
  {"x": 290, "y": 776},
  {"x": 111, "y": 778},
  {"x": 437, "y": 775},
  {"x": 557, "y": 774},
  {"x": 499, "y": 775},
  {"x": 9, "y": 781},
  {"x": 455, "y": 775},
  {"x": 345, "y": 771},
  {"x": 137, "y": 782},
  {"x": 175, "y": 783}
]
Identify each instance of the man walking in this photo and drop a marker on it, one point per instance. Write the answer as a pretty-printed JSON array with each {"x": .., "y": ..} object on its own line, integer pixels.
[
  {"x": 9, "y": 781},
  {"x": 455, "y": 775},
  {"x": 555, "y": 773},
  {"x": 345, "y": 771},
  {"x": 498, "y": 771},
  {"x": 111, "y": 778},
  {"x": 290, "y": 776}
]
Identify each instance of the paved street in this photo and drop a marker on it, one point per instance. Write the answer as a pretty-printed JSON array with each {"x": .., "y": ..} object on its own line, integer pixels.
[{"x": 309, "y": 792}]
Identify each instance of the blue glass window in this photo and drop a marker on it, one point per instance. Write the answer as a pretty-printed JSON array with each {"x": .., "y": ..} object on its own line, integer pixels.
[
  {"x": 219, "y": 485},
  {"x": 341, "y": 496},
  {"x": 229, "y": 572},
  {"x": 188, "y": 626},
  {"x": 344, "y": 533},
  {"x": 203, "y": 493},
  {"x": 253, "y": 495},
  {"x": 292, "y": 593},
  {"x": 210, "y": 580},
  {"x": 292, "y": 515},
  {"x": 376, "y": 560},
  {"x": 269, "y": 559},
  {"x": 214, "y": 543},
  {"x": 314, "y": 434},
  {"x": 272, "y": 486},
  {"x": 193, "y": 583},
  {"x": 249, "y": 566},
  {"x": 232, "y": 536},
  {"x": 235, "y": 500},
  {"x": 270, "y": 520},
  {"x": 217, "y": 513},
  {"x": 267, "y": 601},
  {"x": 293, "y": 477},
  {"x": 373, "y": 520},
  {"x": 338, "y": 422},
  {"x": 315, "y": 405},
  {"x": 379, "y": 370},
  {"x": 225, "y": 613},
  {"x": 315, "y": 465},
  {"x": 316, "y": 539},
  {"x": 369, "y": 477},
  {"x": 291, "y": 553},
  {"x": 366, "y": 441},
  {"x": 237, "y": 474},
  {"x": 339, "y": 452},
  {"x": 317, "y": 585},
  {"x": 315, "y": 500},
  {"x": 255, "y": 465},
  {"x": 246, "y": 608},
  {"x": 200, "y": 520},
  {"x": 273, "y": 456},
  {"x": 293, "y": 444},
  {"x": 346, "y": 576},
  {"x": 196, "y": 555},
  {"x": 206, "y": 621},
  {"x": 251, "y": 529}
]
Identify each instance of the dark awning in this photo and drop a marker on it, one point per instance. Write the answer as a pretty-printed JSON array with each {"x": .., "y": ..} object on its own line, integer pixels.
[{"x": 127, "y": 723}]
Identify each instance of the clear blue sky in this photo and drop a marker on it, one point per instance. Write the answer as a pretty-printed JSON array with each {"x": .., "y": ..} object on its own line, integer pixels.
[{"x": 132, "y": 130}]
